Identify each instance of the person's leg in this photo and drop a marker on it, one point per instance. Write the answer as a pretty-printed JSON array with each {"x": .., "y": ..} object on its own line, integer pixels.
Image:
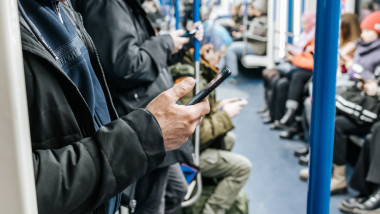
[
  {"x": 150, "y": 191},
  {"x": 343, "y": 128},
  {"x": 234, "y": 54},
  {"x": 176, "y": 189},
  {"x": 295, "y": 94},
  {"x": 282, "y": 92},
  {"x": 358, "y": 179},
  {"x": 234, "y": 170}
]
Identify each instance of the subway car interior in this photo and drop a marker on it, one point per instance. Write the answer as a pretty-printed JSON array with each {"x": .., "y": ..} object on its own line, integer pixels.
[{"x": 190, "y": 106}]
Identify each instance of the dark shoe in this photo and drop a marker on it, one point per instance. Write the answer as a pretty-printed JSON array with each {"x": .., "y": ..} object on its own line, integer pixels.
[
  {"x": 350, "y": 204},
  {"x": 267, "y": 120},
  {"x": 289, "y": 116},
  {"x": 301, "y": 151},
  {"x": 304, "y": 160},
  {"x": 371, "y": 205},
  {"x": 276, "y": 126}
]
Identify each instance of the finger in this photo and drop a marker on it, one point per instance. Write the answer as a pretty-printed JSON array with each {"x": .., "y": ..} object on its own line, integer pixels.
[
  {"x": 234, "y": 99},
  {"x": 180, "y": 89},
  {"x": 183, "y": 40},
  {"x": 179, "y": 32},
  {"x": 200, "y": 109}
]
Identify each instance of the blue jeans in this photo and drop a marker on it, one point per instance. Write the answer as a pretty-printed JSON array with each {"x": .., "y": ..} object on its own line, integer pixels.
[{"x": 235, "y": 53}]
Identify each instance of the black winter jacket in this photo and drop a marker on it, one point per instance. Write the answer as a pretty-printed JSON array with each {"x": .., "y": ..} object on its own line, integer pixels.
[
  {"x": 77, "y": 169},
  {"x": 135, "y": 60}
]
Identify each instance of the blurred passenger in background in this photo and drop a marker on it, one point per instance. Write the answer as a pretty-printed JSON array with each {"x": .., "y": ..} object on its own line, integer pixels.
[
  {"x": 285, "y": 84},
  {"x": 348, "y": 38},
  {"x": 366, "y": 177},
  {"x": 216, "y": 141},
  {"x": 257, "y": 28},
  {"x": 365, "y": 69},
  {"x": 135, "y": 62}
]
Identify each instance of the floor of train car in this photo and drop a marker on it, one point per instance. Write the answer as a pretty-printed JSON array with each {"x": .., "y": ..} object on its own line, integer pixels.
[{"x": 274, "y": 186}]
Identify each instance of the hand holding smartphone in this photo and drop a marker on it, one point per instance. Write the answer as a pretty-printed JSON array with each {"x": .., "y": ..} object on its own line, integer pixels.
[{"x": 212, "y": 85}]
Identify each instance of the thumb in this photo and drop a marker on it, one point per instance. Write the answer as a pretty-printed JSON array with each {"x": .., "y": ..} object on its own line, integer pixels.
[{"x": 181, "y": 89}]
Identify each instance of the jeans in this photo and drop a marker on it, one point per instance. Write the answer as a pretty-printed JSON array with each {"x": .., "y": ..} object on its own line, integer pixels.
[{"x": 235, "y": 53}]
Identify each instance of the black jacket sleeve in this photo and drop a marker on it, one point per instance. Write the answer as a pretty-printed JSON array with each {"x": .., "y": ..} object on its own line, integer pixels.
[
  {"x": 127, "y": 61},
  {"x": 81, "y": 176}
]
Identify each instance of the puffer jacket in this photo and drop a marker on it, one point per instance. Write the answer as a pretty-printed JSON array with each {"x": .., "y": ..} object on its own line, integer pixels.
[
  {"x": 217, "y": 123},
  {"x": 77, "y": 169}
]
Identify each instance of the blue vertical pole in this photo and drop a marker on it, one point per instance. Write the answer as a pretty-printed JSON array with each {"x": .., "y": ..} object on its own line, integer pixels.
[
  {"x": 323, "y": 106},
  {"x": 302, "y": 6},
  {"x": 196, "y": 18},
  {"x": 176, "y": 11},
  {"x": 290, "y": 20}
]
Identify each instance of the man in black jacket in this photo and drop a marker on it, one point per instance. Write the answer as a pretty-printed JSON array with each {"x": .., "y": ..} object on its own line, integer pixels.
[
  {"x": 135, "y": 62},
  {"x": 83, "y": 154}
]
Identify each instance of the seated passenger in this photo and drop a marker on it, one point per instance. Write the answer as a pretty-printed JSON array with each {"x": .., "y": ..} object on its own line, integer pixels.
[
  {"x": 236, "y": 50},
  {"x": 298, "y": 58},
  {"x": 366, "y": 177},
  {"x": 364, "y": 65},
  {"x": 83, "y": 154},
  {"x": 349, "y": 36},
  {"x": 135, "y": 62},
  {"x": 216, "y": 141}
]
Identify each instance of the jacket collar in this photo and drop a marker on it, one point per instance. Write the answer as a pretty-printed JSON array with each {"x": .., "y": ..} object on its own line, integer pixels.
[{"x": 365, "y": 48}]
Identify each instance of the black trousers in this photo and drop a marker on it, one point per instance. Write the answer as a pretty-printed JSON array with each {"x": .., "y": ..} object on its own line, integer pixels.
[
  {"x": 297, "y": 84},
  {"x": 366, "y": 176},
  {"x": 344, "y": 127},
  {"x": 278, "y": 97},
  {"x": 269, "y": 84}
]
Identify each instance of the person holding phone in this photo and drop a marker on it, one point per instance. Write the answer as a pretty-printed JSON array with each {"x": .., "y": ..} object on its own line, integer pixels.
[
  {"x": 135, "y": 61},
  {"x": 216, "y": 140}
]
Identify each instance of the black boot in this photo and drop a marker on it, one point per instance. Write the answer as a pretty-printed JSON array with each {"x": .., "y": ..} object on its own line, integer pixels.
[
  {"x": 291, "y": 131},
  {"x": 289, "y": 116}
]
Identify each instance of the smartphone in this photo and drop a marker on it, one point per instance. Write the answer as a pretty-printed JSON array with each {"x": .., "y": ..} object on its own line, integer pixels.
[
  {"x": 212, "y": 85},
  {"x": 189, "y": 34}
]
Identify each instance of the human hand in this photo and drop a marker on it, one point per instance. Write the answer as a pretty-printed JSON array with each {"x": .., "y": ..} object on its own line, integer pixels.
[
  {"x": 226, "y": 101},
  {"x": 234, "y": 108},
  {"x": 200, "y": 32},
  {"x": 349, "y": 63},
  {"x": 289, "y": 56},
  {"x": 370, "y": 87},
  {"x": 177, "y": 122},
  {"x": 178, "y": 40}
]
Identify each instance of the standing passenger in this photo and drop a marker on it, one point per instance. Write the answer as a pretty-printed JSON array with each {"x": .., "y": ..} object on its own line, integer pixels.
[
  {"x": 135, "y": 62},
  {"x": 83, "y": 154}
]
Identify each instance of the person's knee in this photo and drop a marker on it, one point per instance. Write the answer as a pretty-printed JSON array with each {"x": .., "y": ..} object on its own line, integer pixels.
[{"x": 244, "y": 167}]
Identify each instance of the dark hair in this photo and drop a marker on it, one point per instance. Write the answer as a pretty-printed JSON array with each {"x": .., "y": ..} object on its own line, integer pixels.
[{"x": 349, "y": 28}]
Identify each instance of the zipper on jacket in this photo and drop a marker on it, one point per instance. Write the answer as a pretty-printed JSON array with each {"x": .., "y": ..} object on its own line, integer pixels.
[
  {"x": 35, "y": 31},
  {"x": 57, "y": 10}
]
